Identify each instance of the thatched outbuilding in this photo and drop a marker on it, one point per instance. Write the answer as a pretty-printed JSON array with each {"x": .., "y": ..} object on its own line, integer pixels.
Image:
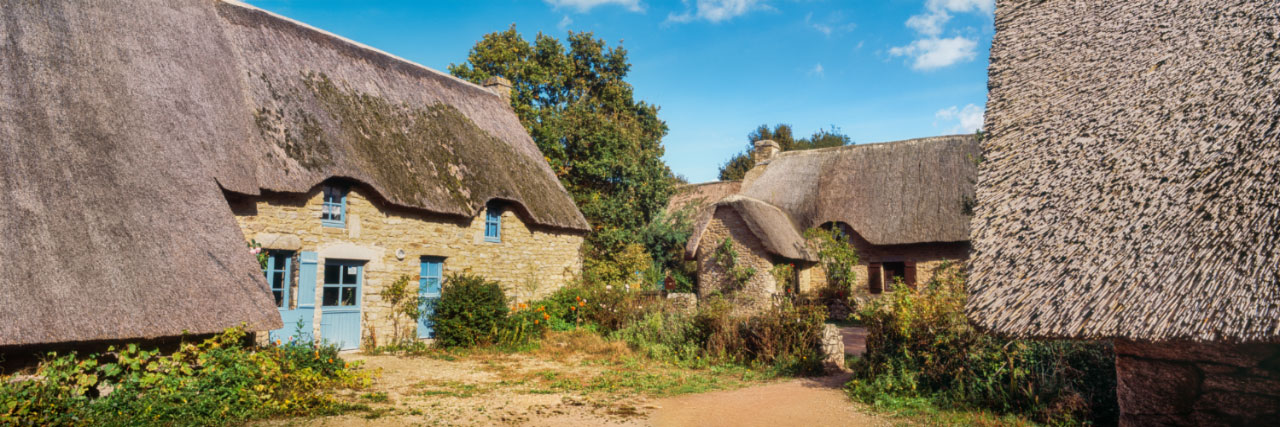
[
  {"x": 145, "y": 142},
  {"x": 1130, "y": 192},
  {"x": 903, "y": 205}
]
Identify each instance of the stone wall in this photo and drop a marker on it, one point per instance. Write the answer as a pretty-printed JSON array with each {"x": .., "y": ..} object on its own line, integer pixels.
[
  {"x": 529, "y": 262},
  {"x": 758, "y": 292},
  {"x": 927, "y": 257},
  {"x": 1198, "y": 384}
]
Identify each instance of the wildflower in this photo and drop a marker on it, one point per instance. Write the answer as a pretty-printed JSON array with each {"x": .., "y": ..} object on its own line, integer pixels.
[
  {"x": 535, "y": 321},
  {"x": 573, "y": 307},
  {"x": 582, "y": 303},
  {"x": 254, "y": 251},
  {"x": 546, "y": 316},
  {"x": 608, "y": 287}
]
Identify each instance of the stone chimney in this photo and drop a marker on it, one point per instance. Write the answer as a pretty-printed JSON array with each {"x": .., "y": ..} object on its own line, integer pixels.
[
  {"x": 765, "y": 150},
  {"x": 499, "y": 86}
]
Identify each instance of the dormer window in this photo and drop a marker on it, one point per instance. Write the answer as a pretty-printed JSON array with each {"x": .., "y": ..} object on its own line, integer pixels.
[
  {"x": 334, "y": 211},
  {"x": 493, "y": 222}
]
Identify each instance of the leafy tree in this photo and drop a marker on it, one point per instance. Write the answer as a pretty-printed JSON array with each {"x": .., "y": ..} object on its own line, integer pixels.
[
  {"x": 738, "y": 165},
  {"x": 605, "y": 146}
]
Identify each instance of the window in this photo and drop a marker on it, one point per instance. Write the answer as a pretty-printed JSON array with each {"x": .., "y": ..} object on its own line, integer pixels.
[
  {"x": 493, "y": 223},
  {"x": 277, "y": 271},
  {"x": 341, "y": 284},
  {"x": 334, "y": 211},
  {"x": 895, "y": 272}
]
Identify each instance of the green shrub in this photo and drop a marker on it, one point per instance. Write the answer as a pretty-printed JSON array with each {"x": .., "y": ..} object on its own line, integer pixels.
[
  {"x": 221, "y": 381},
  {"x": 470, "y": 312},
  {"x": 922, "y": 348},
  {"x": 786, "y": 337},
  {"x": 663, "y": 336}
]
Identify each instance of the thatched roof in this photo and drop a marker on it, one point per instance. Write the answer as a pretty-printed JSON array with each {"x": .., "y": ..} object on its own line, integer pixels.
[
  {"x": 1132, "y": 173},
  {"x": 768, "y": 223},
  {"x": 122, "y": 122},
  {"x": 324, "y": 106},
  {"x": 913, "y": 191}
]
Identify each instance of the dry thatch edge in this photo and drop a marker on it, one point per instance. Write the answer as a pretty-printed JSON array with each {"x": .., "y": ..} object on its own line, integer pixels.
[
  {"x": 770, "y": 225},
  {"x": 357, "y": 44}
]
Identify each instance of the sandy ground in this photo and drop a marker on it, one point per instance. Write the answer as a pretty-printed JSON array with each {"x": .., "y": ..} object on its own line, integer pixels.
[{"x": 514, "y": 389}]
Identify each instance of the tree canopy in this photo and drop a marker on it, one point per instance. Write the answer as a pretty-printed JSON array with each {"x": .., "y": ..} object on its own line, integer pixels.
[
  {"x": 738, "y": 165},
  {"x": 605, "y": 146}
]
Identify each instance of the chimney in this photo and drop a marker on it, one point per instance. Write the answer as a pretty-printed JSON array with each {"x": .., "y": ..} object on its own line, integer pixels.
[
  {"x": 499, "y": 86},
  {"x": 764, "y": 151}
]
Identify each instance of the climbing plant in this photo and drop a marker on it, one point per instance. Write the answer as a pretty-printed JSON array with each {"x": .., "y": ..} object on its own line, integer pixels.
[{"x": 726, "y": 256}]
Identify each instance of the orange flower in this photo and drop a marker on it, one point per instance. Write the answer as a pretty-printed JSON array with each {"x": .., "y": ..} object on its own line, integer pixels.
[
  {"x": 582, "y": 304},
  {"x": 546, "y": 316},
  {"x": 573, "y": 307},
  {"x": 535, "y": 321}
]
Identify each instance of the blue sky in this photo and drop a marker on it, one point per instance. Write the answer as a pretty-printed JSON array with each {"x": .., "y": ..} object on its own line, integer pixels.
[{"x": 878, "y": 70}]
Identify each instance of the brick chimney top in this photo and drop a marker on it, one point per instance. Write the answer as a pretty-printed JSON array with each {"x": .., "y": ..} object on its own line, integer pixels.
[
  {"x": 499, "y": 86},
  {"x": 764, "y": 151}
]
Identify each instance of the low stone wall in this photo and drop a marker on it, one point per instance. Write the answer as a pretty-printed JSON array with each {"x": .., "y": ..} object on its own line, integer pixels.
[{"x": 1198, "y": 384}]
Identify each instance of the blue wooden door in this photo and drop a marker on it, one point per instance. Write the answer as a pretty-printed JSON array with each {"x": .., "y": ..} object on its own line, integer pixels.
[
  {"x": 340, "y": 303},
  {"x": 428, "y": 293},
  {"x": 298, "y": 322}
]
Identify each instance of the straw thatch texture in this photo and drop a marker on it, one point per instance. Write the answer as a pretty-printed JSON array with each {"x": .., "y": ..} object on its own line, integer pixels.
[
  {"x": 324, "y": 106},
  {"x": 114, "y": 119},
  {"x": 768, "y": 223},
  {"x": 909, "y": 191},
  {"x": 122, "y": 122},
  {"x": 1131, "y": 186},
  {"x": 913, "y": 191}
]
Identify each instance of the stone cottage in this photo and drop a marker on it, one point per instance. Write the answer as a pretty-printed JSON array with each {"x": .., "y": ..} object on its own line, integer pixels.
[
  {"x": 146, "y": 142},
  {"x": 904, "y": 207},
  {"x": 1129, "y": 193}
]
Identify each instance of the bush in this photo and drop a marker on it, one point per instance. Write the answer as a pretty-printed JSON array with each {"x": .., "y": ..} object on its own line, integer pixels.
[
  {"x": 470, "y": 312},
  {"x": 921, "y": 347},
  {"x": 786, "y": 338},
  {"x": 220, "y": 381}
]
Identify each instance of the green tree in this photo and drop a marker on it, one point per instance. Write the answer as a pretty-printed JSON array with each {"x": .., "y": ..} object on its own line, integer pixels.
[
  {"x": 738, "y": 165},
  {"x": 605, "y": 146}
]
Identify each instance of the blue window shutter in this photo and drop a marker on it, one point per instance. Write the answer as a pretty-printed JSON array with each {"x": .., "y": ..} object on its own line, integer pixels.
[
  {"x": 307, "y": 279},
  {"x": 429, "y": 292}
]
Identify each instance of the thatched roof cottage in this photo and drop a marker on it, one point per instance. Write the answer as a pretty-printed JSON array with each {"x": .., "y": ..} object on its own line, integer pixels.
[
  {"x": 903, "y": 205},
  {"x": 1130, "y": 193},
  {"x": 145, "y": 142}
]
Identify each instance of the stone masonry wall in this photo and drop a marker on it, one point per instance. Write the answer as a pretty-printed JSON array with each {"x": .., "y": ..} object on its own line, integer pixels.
[
  {"x": 529, "y": 262},
  {"x": 1185, "y": 384},
  {"x": 758, "y": 292},
  {"x": 927, "y": 257}
]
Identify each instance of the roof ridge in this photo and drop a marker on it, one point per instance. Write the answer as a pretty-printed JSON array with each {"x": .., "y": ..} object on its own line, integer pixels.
[
  {"x": 356, "y": 44},
  {"x": 857, "y": 146}
]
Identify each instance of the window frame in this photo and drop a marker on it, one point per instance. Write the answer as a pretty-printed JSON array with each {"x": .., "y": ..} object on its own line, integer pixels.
[
  {"x": 327, "y": 205},
  {"x": 493, "y": 218},
  {"x": 340, "y": 285}
]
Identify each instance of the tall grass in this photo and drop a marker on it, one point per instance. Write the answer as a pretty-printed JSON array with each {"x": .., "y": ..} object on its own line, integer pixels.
[{"x": 922, "y": 350}]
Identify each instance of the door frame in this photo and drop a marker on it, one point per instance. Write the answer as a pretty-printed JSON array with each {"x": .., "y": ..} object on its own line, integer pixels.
[{"x": 358, "y": 308}]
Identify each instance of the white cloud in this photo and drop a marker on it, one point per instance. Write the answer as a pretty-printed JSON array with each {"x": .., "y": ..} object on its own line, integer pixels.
[
  {"x": 817, "y": 71},
  {"x": 715, "y": 11},
  {"x": 969, "y": 118},
  {"x": 931, "y": 51},
  {"x": 583, "y": 6},
  {"x": 929, "y": 24},
  {"x": 934, "y": 53},
  {"x": 833, "y": 24},
  {"x": 565, "y": 23}
]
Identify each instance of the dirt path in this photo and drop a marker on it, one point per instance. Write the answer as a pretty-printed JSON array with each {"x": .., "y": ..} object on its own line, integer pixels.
[
  {"x": 804, "y": 402},
  {"x": 523, "y": 389}
]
